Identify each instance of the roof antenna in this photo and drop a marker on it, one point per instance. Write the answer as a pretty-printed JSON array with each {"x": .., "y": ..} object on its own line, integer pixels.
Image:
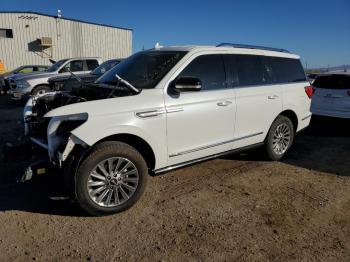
[{"x": 158, "y": 46}]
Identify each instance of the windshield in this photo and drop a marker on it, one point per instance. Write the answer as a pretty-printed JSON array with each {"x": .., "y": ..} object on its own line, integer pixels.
[
  {"x": 56, "y": 65},
  {"x": 104, "y": 67},
  {"x": 144, "y": 69}
]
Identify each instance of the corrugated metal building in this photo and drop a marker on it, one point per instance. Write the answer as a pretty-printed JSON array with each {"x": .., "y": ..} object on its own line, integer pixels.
[{"x": 34, "y": 38}]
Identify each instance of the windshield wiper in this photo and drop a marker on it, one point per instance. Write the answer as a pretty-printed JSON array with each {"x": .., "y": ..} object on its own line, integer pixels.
[
  {"x": 121, "y": 80},
  {"x": 76, "y": 77}
]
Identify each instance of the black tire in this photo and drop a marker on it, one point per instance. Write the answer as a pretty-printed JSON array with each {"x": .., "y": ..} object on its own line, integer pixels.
[
  {"x": 269, "y": 143},
  {"x": 100, "y": 153},
  {"x": 39, "y": 89}
]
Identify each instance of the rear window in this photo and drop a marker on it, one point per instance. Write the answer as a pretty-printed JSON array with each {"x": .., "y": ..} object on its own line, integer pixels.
[
  {"x": 333, "y": 82},
  {"x": 286, "y": 70},
  {"x": 91, "y": 64},
  {"x": 251, "y": 70}
]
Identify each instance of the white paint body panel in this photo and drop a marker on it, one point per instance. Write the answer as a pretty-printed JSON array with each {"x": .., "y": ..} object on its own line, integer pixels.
[{"x": 192, "y": 125}]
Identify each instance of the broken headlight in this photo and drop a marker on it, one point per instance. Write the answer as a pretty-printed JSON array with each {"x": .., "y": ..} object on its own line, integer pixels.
[{"x": 66, "y": 126}]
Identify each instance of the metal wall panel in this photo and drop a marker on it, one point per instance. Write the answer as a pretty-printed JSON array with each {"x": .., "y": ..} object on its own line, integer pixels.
[{"x": 70, "y": 39}]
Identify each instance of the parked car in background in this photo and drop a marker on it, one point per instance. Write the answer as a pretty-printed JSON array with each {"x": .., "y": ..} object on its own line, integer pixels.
[
  {"x": 26, "y": 69},
  {"x": 57, "y": 82},
  {"x": 332, "y": 95},
  {"x": 33, "y": 84},
  {"x": 166, "y": 108}
]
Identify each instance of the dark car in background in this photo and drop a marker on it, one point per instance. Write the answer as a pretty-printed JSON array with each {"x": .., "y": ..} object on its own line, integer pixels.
[
  {"x": 57, "y": 82},
  {"x": 26, "y": 69}
]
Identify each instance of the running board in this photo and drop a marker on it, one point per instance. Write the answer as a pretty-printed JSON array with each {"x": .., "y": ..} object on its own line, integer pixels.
[{"x": 195, "y": 161}]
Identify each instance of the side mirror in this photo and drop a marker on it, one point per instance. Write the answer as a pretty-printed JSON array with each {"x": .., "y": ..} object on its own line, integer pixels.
[{"x": 184, "y": 84}]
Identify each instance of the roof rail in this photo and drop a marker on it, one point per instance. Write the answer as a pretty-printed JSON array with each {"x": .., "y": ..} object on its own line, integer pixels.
[{"x": 252, "y": 47}]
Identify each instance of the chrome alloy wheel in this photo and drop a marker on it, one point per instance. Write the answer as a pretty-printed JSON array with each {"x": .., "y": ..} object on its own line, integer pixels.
[
  {"x": 112, "y": 182},
  {"x": 281, "y": 139}
]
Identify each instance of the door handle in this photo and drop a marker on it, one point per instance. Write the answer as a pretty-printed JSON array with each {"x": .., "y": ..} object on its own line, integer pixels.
[
  {"x": 272, "y": 97},
  {"x": 224, "y": 103}
]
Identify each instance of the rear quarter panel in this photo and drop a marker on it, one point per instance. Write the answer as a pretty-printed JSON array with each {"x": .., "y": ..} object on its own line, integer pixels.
[{"x": 296, "y": 100}]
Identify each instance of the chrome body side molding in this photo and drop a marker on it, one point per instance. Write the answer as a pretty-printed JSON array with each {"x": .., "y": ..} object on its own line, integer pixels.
[
  {"x": 195, "y": 161},
  {"x": 213, "y": 145}
]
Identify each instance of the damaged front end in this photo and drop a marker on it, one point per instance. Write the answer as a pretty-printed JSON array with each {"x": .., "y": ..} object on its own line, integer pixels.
[
  {"x": 50, "y": 134},
  {"x": 53, "y": 134}
]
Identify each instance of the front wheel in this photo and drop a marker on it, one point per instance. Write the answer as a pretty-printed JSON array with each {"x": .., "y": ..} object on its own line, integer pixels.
[
  {"x": 280, "y": 138},
  {"x": 40, "y": 90},
  {"x": 111, "y": 179}
]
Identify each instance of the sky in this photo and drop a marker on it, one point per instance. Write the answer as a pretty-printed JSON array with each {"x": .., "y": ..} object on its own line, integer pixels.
[{"x": 319, "y": 31}]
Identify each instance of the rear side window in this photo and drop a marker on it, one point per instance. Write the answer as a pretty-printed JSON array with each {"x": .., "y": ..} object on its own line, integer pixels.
[
  {"x": 41, "y": 69},
  {"x": 209, "y": 69},
  {"x": 91, "y": 64},
  {"x": 333, "y": 82},
  {"x": 286, "y": 70},
  {"x": 251, "y": 70}
]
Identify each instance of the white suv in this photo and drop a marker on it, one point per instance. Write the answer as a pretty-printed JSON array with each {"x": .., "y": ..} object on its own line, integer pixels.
[{"x": 166, "y": 108}]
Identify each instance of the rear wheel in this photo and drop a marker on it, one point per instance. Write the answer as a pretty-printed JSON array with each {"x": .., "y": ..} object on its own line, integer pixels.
[
  {"x": 280, "y": 138},
  {"x": 111, "y": 179}
]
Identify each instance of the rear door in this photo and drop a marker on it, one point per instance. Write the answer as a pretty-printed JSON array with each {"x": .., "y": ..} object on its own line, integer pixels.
[
  {"x": 258, "y": 99},
  {"x": 332, "y": 93}
]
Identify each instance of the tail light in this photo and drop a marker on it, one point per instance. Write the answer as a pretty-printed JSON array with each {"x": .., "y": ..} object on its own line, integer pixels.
[{"x": 309, "y": 90}]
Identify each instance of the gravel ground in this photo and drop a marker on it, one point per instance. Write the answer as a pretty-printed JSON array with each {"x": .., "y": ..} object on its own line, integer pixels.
[{"x": 236, "y": 208}]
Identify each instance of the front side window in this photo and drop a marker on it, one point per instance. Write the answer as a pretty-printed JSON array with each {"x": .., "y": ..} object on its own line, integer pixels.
[
  {"x": 74, "y": 66},
  {"x": 287, "y": 70},
  {"x": 209, "y": 69},
  {"x": 56, "y": 65},
  {"x": 143, "y": 70},
  {"x": 251, "y": 71}
]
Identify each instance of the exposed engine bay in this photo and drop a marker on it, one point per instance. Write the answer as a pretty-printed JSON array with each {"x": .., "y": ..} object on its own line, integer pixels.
[
  {"x": 53, "y": 134},
  {"x": 76, "y": 94}
]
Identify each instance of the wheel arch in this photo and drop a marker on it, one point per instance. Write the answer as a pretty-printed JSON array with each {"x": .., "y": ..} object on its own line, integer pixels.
[
  {"x": 138, "y": 143},
  {"x": 35, "y": 87},
  {"x": 292, "y": 116},
  {"x": 289, "y": 114}
]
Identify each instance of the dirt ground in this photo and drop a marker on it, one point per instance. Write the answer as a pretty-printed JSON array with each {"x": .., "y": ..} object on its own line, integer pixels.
[{"x": 237, "y": 208}]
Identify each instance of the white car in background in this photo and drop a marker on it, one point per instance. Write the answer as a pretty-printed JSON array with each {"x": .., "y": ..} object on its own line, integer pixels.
[{"x": 332, "y": 95}]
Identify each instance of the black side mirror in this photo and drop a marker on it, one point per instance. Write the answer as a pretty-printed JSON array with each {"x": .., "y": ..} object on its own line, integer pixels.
[{"x": 184, "y": 84}]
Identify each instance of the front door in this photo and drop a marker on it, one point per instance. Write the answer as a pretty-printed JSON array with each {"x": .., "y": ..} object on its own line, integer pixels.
[{"x": 201, "y": 123}]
